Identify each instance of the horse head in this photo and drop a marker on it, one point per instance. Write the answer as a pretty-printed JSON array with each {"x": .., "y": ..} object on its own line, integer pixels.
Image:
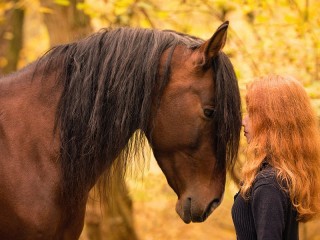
[{"x": 196, "y": 126}]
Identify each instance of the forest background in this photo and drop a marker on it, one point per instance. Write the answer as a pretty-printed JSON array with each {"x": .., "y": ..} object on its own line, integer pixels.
[{"x": 265, "y": 36}]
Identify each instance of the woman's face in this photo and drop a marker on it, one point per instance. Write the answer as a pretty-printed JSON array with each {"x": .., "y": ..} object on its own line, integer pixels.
[{"x": 246, "y": 123}]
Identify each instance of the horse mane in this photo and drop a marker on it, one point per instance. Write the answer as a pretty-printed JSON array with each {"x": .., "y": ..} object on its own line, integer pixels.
[
  {"x": 109, "y": 84},
  {"x": 228, "y": 117}
]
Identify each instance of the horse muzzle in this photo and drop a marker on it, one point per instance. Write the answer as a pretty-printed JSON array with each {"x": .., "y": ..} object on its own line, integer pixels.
[{"x": 190, "y": 210}]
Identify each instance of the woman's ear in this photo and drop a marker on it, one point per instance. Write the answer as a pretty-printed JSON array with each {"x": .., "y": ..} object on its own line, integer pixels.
[{"x": 210, "y": 48}]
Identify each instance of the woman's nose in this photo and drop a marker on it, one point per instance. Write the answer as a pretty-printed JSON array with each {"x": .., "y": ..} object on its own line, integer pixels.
[{"x": 244, "y": 121}]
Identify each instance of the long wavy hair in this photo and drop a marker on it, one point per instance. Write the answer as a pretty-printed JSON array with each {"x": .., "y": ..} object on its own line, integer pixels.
[{"x": 285, "y": 131}]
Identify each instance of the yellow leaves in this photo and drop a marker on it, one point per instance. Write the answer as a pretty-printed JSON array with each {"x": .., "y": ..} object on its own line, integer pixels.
[
  {"x": 45, "y": 10},
  {"x": 290, "y": 18},
  {"x": 62, "y": 2},
  {"x": 82, "y": 6},
  {"x": 96, "y": 9},
  {"x": 313, "y": 90},
  {"x": 144, "y": 5},
  {"x": 122, "y": 7},
  {"x": 261, "y": 19},
  {"x": 162, "y": 14}
]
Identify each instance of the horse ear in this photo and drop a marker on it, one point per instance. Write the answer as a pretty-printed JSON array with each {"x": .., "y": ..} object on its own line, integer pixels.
[{"x": 210, "y": 48}]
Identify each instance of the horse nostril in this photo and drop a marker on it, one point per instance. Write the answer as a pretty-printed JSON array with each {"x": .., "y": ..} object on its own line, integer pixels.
[
  {"x": 214, "y": 204},
  {"x": 211, "y": 207},
  {"x": 216, "y": 201}
]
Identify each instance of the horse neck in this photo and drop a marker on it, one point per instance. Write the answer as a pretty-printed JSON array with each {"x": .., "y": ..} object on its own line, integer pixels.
[
  {"x": 30, "y": 83},
  {"x": 27, "y": 116},
  {"x": 29, "y": 91}
]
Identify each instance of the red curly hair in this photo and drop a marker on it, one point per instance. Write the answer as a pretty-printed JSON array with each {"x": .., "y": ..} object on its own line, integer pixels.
[{"x": 285, "y": 131}]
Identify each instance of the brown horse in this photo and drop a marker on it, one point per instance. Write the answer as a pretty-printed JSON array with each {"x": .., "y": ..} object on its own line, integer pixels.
[{"x": 79, "y": 111}]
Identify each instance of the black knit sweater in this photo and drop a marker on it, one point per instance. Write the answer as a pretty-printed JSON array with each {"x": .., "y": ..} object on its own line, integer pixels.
[{"x": 268, "y": 214}]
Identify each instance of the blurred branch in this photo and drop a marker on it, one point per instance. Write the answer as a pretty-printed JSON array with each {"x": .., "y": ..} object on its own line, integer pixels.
[
  {"x": 221, "y": 15},
  {"x": 146, "y": 15},
  {"x": 243, "y": 49},
  {"x": 306, "y": 14},
  {"x": 294, "y": 5}
]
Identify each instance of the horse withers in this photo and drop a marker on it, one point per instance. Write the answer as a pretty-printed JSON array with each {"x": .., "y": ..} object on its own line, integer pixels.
[{"x": 81, "y": 110}]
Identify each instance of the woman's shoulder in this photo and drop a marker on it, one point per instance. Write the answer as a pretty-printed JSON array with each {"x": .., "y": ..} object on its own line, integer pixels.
[
  {"x": 267, "y": 189},
  {"x": 267, "y": 176}
]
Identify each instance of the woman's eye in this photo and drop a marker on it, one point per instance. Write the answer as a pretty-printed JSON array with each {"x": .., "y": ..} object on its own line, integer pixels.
[{"x": 209, "y": 113}]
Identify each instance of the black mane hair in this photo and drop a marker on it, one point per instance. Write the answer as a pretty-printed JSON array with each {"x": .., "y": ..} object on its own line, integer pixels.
[
  {"x": 228, "y": 118},
  {"x": 109, "y": 82}
]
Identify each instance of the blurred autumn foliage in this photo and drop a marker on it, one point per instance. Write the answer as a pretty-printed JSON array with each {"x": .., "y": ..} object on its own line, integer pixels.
[{"x": 265, "y": 36}]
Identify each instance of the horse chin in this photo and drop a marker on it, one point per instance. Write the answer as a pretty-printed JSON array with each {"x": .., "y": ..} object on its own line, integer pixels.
[{"x": 189, "y": 211}]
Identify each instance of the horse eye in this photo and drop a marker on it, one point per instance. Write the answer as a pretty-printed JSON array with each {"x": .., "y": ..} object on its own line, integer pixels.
[{"x": 209, "y": 113}]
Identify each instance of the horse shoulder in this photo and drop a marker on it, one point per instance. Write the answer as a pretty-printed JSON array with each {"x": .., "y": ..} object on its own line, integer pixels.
[{"x": 30, "y": 177}]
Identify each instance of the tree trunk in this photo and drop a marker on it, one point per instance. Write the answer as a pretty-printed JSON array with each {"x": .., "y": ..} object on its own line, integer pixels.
[
  {"x": 11, "y": 31},
  {"x": 65, "y": 23},
  {"x": 112, "y": 222}
]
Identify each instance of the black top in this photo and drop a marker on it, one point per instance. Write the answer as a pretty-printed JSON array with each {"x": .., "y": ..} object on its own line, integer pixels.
[{"x": 268, "y": 214}]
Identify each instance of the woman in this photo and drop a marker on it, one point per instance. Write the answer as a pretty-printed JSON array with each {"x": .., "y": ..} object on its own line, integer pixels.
[{"x": 281, "y": 175}]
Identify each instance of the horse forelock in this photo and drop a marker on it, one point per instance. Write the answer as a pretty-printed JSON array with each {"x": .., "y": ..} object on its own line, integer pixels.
[
  {"x": 108, "y": 82},
  {"x": 228, "y": 111}
]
